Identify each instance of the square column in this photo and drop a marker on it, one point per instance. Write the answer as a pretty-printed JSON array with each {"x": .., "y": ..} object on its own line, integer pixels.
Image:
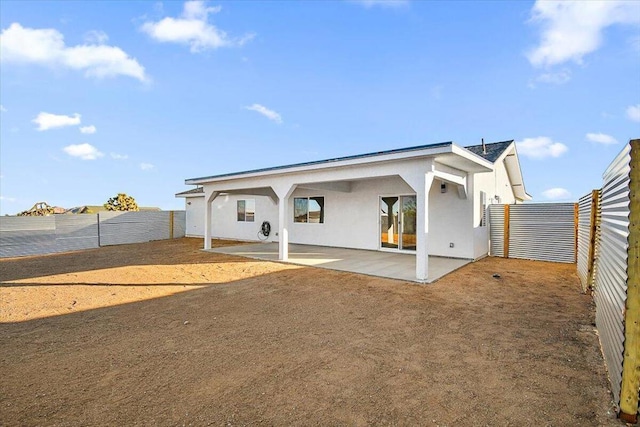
[
  {"x": 208, "y": 213},
  {"x": 421, "y": 182},
  {"x": 284, "y": 193},
  {"x": 422, "y": 227}
]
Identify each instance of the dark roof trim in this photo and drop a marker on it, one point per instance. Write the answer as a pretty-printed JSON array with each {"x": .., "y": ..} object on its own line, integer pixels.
[
  {"x": 198, "y": 190},
  {"x": 493, "y": 150},
  {"x": 319, "y": 162}
]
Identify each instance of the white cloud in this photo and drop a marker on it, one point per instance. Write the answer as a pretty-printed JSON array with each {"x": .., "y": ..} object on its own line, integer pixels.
[
  {"x": 381, "y": 3},
  {"x": 193, "y": 28},
  {"x": 2, "y": 109},
  {"x": 601, "y": 138},
  {"x": 540, "y": 147},
  {"x": 7, "y": 199},
  {"x": 50, "y": 121},
  {"x": 573, "y": 29},
  {"x": 117, "y": 156},
  {"x": 22, "y": 45},
  {"x": 88, "y": 129},
  {"x": 96, "y": 37},
  {"x": 270, "y": 114},
  {"x": 556, "y": 194},
  {"x": 146, "y": 166},
  {"x": 556, "y": 78},
  {"x": 633, "y": 112},
  {"x": 83, "y": 151}
]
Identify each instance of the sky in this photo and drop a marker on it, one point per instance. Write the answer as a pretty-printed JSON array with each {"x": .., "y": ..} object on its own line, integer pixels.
[{"x": 99, "y": 98}]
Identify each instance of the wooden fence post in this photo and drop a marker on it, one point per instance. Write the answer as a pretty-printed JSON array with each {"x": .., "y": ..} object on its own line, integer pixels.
[
  {"x": 171, "y": 213},
  {"x": 593, "y": 226},
  {"x": 506, "y": 231},
  {"x": 631, "y": 355}
]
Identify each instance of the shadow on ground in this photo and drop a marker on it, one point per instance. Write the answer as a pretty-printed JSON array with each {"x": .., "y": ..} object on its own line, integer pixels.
[{"x": 309, "y": 346}]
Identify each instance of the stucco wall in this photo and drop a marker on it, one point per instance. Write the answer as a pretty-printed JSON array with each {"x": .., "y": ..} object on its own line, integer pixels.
[
  {"x": 351, "y": 219},
  {"x": 225, "y": 224},
  {"x": 494, "y": 184},
  {"x": 224, "y": 221},
  {"x": 194, "y": 208},
  {"x": 450, "y": 222}
]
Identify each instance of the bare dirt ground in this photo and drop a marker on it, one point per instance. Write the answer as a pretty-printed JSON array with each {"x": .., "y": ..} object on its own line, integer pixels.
[{"x": 164, "y": 334}]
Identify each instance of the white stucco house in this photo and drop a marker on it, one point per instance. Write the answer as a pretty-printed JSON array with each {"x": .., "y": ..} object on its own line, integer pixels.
[{"x": 427, "y": 200}]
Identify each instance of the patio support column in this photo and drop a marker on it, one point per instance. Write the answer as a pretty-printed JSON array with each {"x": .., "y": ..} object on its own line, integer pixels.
[
  {"x": 284, "y": 193},
  {"x": 422, "y": 226},
  {"x": 209, "y": 197}
]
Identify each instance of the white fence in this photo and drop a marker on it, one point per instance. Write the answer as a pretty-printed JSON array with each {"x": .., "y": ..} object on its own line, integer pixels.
[{"x": 21, "y": 236}]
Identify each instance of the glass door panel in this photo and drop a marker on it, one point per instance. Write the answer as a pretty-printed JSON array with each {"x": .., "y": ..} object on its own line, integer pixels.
[
  {"x": 389, "y": 222},
  {"x": 408, "y": 223}
]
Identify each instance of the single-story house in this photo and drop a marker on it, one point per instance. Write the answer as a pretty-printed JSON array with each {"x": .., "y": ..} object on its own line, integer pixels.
[{"x": 426, "y": 200}]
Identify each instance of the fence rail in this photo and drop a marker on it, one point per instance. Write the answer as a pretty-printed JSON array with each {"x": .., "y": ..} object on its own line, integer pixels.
[{"x": 22, "y": 236}]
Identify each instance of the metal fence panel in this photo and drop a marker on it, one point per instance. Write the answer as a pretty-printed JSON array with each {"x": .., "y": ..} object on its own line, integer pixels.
[
  {"x": 179, "y": 223},
  {"x": 119, "y": 228},
  {"x": 610, "y": 284},
  {"x": 542, "y": 231},
  {"x": 76, "y": 232},
  {"x": 21, "y": 236},
  {"x": 584, "y": 239},
  {"x": 496, "y": 229}
]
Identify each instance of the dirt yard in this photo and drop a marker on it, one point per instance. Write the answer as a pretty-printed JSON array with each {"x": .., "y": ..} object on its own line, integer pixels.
[{"x": 165, "y": 334}]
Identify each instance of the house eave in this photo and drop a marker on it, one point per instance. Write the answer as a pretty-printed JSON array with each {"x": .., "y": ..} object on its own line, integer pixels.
[{"x": 446, "y": 153}]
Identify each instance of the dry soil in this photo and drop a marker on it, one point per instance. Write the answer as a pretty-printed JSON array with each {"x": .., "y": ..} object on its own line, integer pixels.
[{"x": 164, "y": 334}]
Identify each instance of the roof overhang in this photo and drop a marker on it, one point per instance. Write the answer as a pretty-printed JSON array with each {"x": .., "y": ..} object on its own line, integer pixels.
[
  {"x": 195, "y": 192},
  {"x": 512, "y": 165},
  {"x": 446, "y": 153}
]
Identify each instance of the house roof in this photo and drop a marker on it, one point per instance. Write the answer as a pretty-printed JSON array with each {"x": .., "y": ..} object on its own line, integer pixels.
[
  {"x": 493, "y": 150},
  {"x": 193, "y": 192},
  {"x": 320, "y": 162},
  {"x": 476, "y": 156}
]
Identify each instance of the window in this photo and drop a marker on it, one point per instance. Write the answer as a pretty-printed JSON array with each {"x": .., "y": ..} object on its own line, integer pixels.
[
  {"x": 483, "y": 209},
  {"x": 246, "y": 210},
  {"x": 308, "y": 209}
]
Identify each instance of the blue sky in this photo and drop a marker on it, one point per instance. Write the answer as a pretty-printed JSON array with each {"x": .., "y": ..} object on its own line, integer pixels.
[{"x": 106, "y": 97}]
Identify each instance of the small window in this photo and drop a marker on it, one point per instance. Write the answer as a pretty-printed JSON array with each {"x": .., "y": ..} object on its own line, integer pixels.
[
  {"x": 308, "y": 209},
  {"x": 246, "y": 210},
  {"x": 483, "y": 209}
]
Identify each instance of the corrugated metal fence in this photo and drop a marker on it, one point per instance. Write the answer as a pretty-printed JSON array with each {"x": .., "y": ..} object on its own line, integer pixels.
[
  {"x": 20, "y": 236},
  {"x": 611, "y": 281},
  {"x": 605, "y": 247},
  {"x": 496, "y": 229},
  {"x": 538, "y": 231},
  {"x": 588, "y": 232}
]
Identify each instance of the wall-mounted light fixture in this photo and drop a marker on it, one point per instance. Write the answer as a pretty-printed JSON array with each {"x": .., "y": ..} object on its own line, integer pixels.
[{"x": 443, "y": 187}]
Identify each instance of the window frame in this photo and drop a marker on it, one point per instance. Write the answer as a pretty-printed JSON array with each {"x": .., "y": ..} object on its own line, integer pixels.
[
  {"x": 247, "y": 215},
  {"x": 307, "y": 218}
]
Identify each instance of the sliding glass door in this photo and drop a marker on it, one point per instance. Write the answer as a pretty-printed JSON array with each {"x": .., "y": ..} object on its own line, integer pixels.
[{"x": 398, "y": 222}]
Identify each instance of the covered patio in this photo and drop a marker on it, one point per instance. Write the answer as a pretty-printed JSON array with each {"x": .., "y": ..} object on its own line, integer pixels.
[
  {"x": 354, "y": 190},
  {"x": 400, "y": 266}
]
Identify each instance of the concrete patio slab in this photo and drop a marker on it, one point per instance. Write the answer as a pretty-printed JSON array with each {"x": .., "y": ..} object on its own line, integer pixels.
[{"x": 401, "y": 266}]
